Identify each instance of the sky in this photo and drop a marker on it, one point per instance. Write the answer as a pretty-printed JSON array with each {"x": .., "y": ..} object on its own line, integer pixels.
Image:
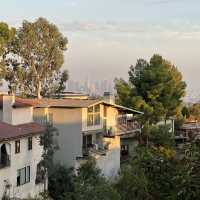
[{"x": 107, "y": 36}]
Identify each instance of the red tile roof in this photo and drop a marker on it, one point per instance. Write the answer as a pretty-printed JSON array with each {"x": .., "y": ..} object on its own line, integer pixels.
[
  {"x": 9, "y": 132},
  {"x": 17, "y": 104}
]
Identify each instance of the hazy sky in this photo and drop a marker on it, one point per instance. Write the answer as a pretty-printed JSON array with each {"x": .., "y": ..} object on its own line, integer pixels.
[{"x": 107, "y": 36}]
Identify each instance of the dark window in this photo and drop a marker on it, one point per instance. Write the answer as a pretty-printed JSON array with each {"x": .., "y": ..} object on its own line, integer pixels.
[
  {"x": 28, "y": 174},
  {"x": 23, "y": 176},
  {"x": 30, "y": 143},
  {"x": 87, "y": 141},
  {"x": 17, "y": 146},
  {"x": 124, "y": 150}
]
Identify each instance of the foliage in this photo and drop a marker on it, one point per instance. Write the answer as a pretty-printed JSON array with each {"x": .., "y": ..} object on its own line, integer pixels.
[
  {"x": 133, "y": 184},
  {"x": 155, "y": 87},
  {"x": 161, "y": 136},
  {"x": 91, "y": 185},
  {"x": 194, "y": 111},
  {"x": 61, "y": 183},
  {"x": 34, "y": 59},
  {"x": 50, "y": 147},
  {"x": 6, "y": 35},
  {"x": 185, "y": 112},
  {"x": 87, "y": 184}
]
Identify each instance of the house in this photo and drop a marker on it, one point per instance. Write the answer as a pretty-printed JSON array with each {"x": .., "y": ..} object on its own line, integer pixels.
[
  {"x": 187, "y": 132},
  {"x": 87, "y": 127},
  {"x": 20, "y": 150}
]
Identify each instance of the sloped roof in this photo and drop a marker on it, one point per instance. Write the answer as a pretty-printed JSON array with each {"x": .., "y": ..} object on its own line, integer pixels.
[
  {"x": 70, "y": 103},
  {"x": 9, "y": 132}
]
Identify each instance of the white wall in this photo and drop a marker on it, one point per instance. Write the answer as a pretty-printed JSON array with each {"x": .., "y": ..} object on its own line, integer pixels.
[
  {"x": 18, "y": 161},
  {"x": 22, "y": 115},
  {"x": 15, "y": 116}
]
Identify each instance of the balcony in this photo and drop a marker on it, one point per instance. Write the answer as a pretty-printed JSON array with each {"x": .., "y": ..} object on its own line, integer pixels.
[
  {"x": 4, "y": 161},
  {"x": 127, "y": 124},
  {"x": 95, "y": 149}
]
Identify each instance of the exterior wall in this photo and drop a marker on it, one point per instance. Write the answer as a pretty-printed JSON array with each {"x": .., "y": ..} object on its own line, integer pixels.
[
  {"x": 22, "y": 115},
  {"x": 18, "y": 161},
  {"x": 40, "y": 112},
  {"x": 68, "y": 123},
  {"x": 84, "y": 120},
  {"x": 132, "y": 144},
  {"x": 110, "y": 163},
  {"x": 112, "y": 114},
  {"x": 7, "y": 108}
]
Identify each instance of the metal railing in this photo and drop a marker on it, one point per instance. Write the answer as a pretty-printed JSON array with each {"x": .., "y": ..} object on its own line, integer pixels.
[{"x": 127, "y": 123}]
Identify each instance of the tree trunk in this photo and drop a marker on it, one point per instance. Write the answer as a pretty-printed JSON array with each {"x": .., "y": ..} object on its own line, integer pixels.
[{"x": 39, "y": 87}]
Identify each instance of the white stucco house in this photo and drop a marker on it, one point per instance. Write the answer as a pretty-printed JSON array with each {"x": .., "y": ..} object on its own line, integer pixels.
[
  {"x": 20, "y": 150},
  {"x": 87, "y": 127}
]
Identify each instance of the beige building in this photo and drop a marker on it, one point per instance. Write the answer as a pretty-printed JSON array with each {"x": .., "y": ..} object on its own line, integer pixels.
[
  {"x": 86, "y": 128},
  {"x": 20, "y": 150}
]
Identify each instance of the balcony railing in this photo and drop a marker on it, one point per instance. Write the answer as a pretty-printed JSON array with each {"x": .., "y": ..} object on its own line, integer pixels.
[
  {"x": 4, "y": 161},
  {"x": 95, "y": 149},
  {"x": 110, "y": 133},
  {"x": 127, "y": 123}
]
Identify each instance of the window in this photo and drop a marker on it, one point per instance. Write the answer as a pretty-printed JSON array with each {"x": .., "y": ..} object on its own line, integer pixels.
[
  {"x": 17, "y": 146},
  {"x": 23, "y": 176},
  {"x": 30, "y": 143},
  {"x": 87, "y": 141},
  {"x": 125, "y": 150},
  {"x": 93, "y": 117}
]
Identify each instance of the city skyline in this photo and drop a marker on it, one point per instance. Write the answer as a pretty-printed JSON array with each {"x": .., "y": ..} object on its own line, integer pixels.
[{"x": 106, "y": 37}]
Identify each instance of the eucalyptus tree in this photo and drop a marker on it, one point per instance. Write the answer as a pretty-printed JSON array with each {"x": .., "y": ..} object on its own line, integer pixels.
[
  {"x": 35, "y": 58},
  {"x": 6, "y": 35}
]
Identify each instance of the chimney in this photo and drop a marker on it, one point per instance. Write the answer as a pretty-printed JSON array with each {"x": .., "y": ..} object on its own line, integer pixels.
[
  {"x": 8, "y": 101},
  {"x": 109, "y": 98}
]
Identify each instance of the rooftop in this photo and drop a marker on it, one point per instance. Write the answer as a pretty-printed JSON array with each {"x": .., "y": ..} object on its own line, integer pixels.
[
  {"x": 71, "y": 103},
  {"x": 9, "y": 132},
  {"x": 17, "y": 104}
]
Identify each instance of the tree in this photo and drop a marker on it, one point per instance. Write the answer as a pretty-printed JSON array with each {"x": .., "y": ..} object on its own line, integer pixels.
[
  {"x": 34, "y": 59},
  {"x": 61, "y": 183},
  {"x": 195, "y": 111},
  {"x": 155, "y": 87},
  {"x": 6, "y": 35},
  {"x": 185, "y": 112},
  {"x": 91, "y": 185},
  {"x": 50, "y": 147}
]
